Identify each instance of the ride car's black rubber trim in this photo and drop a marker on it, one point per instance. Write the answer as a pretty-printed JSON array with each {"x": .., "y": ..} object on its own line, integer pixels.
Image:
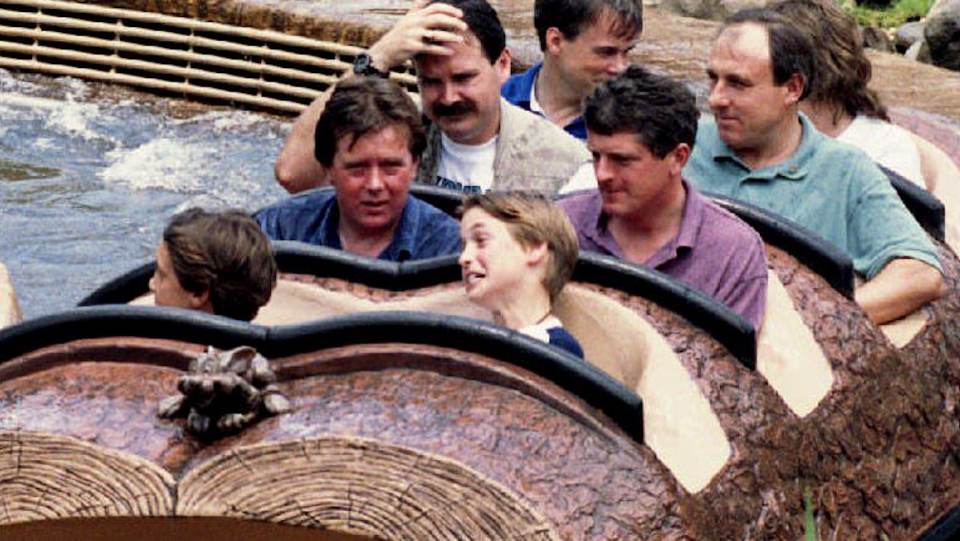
[
  {"x": 925, "y": 207},
  {"x": 123, "y": 288},
  {"x": 124, "y": 320},
  {"x": 320, "y": 261},
  {"x": 714, "y": 318},
  {"x": 573, "y": 374},
  {"x": 727, "y": 327},
  {"x": 445, "y": 199},
  {"x": 817, "y": 254},
  {"x": 946, "y": 529},
  {"x": 301, "y": 258}
]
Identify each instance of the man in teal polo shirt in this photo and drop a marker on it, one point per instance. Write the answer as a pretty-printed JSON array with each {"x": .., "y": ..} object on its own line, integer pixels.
[{"x": 761, "y": 150}]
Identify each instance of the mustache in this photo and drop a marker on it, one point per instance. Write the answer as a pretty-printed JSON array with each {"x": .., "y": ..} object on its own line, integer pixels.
[{"x": 454, "y": 109}]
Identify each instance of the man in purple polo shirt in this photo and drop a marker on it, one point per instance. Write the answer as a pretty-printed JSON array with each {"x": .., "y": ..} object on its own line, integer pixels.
[{"x": 641, "y": 128}]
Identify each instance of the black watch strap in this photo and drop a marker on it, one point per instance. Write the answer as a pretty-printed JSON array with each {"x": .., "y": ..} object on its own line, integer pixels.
[{"x": 363, "y": 65}]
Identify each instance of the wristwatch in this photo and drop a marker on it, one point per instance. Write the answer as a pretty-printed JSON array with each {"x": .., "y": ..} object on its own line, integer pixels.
[{"x": 363, "y": 65}]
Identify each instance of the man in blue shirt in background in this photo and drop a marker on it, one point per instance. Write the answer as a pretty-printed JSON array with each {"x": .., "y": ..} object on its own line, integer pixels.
[
  {"x": 584, "y": 43},
  {"x": 369, "y": 140}
]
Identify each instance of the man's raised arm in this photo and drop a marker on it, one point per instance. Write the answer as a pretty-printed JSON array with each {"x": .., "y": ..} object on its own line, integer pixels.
[
  {"x": 296, "y": 168},
  {"x": 903, "y": 286},
  {"x": 425, "y": 29}
]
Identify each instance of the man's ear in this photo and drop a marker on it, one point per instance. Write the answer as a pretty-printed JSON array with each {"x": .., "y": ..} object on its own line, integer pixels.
[
  {"x": 794, "y": 89},
  {"x": 552, "y": 40},
  {"x": 502, "y": 65},
  {"x": 678, "y": 158},
  {"x": 201, "y": 301}
]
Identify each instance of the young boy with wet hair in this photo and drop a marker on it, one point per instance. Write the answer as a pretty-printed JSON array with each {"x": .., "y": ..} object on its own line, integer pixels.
[
  {"x": 215, "y": 262},
  {"x": 519, "y": 250}
]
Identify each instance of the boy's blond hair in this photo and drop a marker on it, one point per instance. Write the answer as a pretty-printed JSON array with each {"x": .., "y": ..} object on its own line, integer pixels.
[{"x": 533, "y": 219}]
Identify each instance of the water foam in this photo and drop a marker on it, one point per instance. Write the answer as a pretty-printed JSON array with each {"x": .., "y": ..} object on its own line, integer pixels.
[
  {"x": 163, "y": 163},
  {"x": 226, "y": 121}
]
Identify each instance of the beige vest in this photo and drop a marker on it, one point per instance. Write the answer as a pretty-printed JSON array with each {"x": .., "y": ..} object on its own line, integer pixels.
[{"x": 532, "y": 153}]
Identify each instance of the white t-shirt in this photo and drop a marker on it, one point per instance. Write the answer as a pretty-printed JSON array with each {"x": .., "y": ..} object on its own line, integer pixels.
[
  {"x": 469, "y": 168},
  {"x": 466, "y": 168},
  {"x": 889, "y": 145}
]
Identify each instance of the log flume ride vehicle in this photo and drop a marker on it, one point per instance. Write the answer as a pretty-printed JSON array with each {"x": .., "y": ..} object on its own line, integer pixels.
[{"x": 411, "y": 417}]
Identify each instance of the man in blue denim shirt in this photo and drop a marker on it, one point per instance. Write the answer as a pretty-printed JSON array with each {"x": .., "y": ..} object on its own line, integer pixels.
[
  {"x": 584, "y": 43},
  {"x": 369, "y": 140}
]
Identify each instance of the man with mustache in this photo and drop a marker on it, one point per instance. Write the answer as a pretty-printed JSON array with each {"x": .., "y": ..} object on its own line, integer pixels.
[
  {"x": 761, "y": 150},
  {"x": 369, "y": 140},
  {"x": 584, "y": 43},
  {"x": 476, "y": 140}
]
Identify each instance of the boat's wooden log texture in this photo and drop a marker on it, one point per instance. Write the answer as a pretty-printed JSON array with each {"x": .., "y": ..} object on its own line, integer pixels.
[
  {"x": 444, "y": 445},
  {"x": 47, "y": 476},
  {"x": 880, "y": 451}
]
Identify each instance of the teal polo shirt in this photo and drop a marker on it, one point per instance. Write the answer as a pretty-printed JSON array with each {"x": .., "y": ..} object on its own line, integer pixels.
[{"x": 827, "y": 187}]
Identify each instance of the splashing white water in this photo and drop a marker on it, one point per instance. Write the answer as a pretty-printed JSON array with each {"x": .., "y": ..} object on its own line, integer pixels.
[
  {"x": 74, "y": 119},
  {"x": 226, "y": 121},
  {"x": 164, "y": 163}
]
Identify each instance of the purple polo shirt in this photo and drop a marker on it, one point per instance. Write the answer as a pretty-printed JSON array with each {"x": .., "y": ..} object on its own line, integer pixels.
[{"x": 714, "y": 251}]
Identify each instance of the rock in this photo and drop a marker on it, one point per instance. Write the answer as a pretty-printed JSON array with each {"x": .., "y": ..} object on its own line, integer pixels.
[
  {"x": 942, "y": 34},
  {"x": 876, "y": 39},
  {"x": 919, "y": 52},
  {"x": 711, "y": 9},
  {"x": 908, "y": 34}
]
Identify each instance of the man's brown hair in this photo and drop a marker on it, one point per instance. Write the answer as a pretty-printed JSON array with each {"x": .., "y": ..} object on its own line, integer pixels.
[
  {"x": 226, "y": 254},
  {"x": 367, "y": 105},
  {"x": 533, "y": 219}
]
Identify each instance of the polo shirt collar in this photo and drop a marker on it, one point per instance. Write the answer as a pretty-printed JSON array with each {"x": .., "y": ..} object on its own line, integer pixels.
[
  {"x": 686, "y": 239},
  {"x": 521, "y": 96},
  {"x": 793, "y": 168},
  {"x": 597, "y": 231}
]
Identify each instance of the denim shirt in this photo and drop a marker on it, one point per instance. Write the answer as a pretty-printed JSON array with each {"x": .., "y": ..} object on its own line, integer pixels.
[{"x": 313, "y": 217}]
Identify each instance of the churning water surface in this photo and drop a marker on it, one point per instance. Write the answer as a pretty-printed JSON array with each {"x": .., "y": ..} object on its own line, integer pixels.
[{"x": 88, "y": 180}]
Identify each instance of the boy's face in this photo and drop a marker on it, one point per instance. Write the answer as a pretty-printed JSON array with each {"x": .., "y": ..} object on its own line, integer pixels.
[
  {"x": 494, "y": 264},
  {"x": 166, "y": 286}
]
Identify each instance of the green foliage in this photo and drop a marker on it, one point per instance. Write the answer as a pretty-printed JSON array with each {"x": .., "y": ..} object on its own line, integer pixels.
[
  {"x": 809, "y": 525},
  {"x": 899, "y": 12}
]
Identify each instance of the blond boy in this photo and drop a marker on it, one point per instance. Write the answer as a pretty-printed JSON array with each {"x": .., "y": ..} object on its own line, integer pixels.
[{"x": 519, "y": 250}]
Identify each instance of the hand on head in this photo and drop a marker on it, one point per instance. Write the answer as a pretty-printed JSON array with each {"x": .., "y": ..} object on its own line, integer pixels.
[{"x": 425, "y": 29}]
